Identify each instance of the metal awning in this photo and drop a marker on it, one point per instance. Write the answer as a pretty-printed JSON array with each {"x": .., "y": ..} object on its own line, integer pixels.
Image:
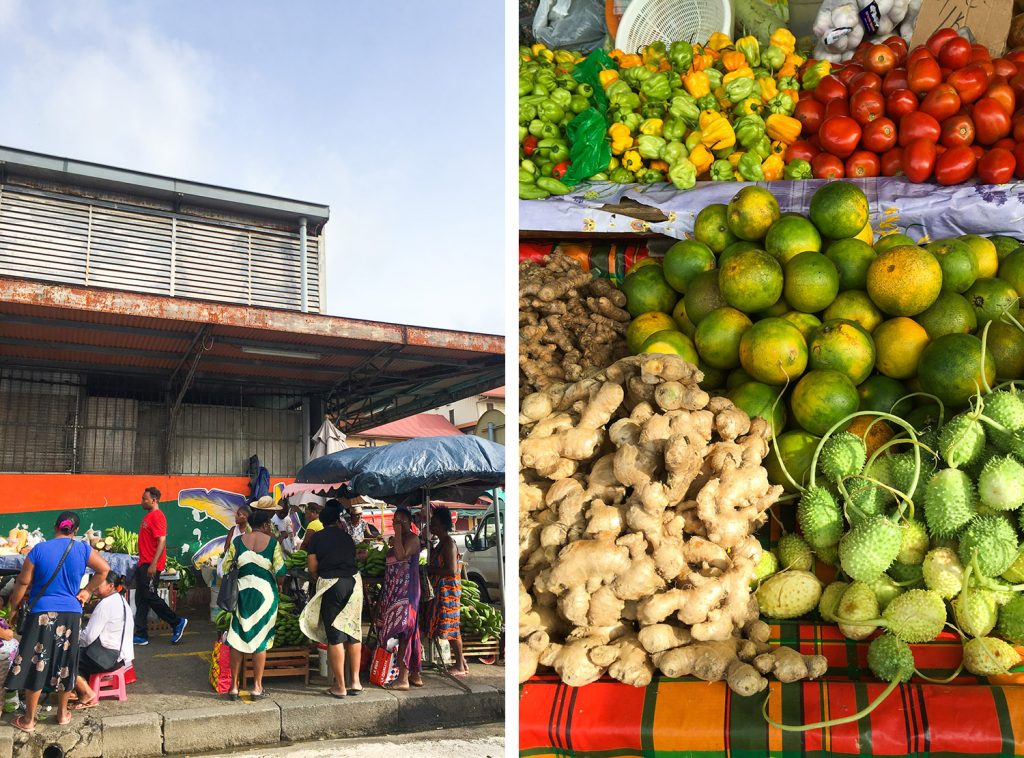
[{"x": 368, "y": 372}]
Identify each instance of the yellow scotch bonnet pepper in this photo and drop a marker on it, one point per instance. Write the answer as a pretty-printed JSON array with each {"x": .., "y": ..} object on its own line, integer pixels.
[
  {"x": 652, "y": 126},
  {"x": 783, "y": 38},
  {"x": 733, "y": 59},
  {"x": 783, "y": 128},
  {"x": 632, "y": 161},
  {"x": 772, "y": 166},
  {"x": 622, "y": 140},
  {"x": 740, "y": 73},
  {"x": 718, "y": 40},
  {"x": 716, "y": 131},
  {"x": 701, "y": 157},
  {"x": 769, "y": 88},
  {"x": 697, "y": 83}
]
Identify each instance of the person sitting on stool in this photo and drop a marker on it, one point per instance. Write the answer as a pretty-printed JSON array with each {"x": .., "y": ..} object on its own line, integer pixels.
[{"x": 108, "y": 625}]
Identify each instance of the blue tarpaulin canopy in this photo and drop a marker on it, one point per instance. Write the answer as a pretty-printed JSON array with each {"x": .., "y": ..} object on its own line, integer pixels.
[{"x": 455, "y": 468}]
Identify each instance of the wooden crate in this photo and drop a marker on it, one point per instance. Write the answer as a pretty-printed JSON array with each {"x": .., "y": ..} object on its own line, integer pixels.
[
  {"x": 281, "y": 661},
  {"x": 474, "y": 646}
]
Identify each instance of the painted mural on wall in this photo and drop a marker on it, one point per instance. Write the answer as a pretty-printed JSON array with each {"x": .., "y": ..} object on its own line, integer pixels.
[{"x": 199, "y": 509}]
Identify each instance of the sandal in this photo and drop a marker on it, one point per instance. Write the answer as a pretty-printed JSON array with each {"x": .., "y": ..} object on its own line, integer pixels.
[
  {"x": 353, "y": 693},
  {"x": 232, "y": 696},
  {"x": 64, "y": 723},
  {"x": 459, "y": 674},
  {"x": 257, "y": 695},
  {"x": 396, "y": 688},
  {"x": 86, "y": 705},
  {"x": 335, "y": 694},
  {"x": 18, "y": 724}
]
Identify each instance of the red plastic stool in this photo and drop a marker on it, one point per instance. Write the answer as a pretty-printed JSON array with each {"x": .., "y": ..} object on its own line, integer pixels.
[{"x": 109, "y": 684}]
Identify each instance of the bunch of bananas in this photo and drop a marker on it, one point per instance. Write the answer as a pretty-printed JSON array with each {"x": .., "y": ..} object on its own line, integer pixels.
[
  {"x": 120, "y": 540},
  {"x": 477, "y": 617},
  {"x": 296, "y": 560},
  {"x": 374, "y": 562},
  {"x": 223, "y": 621},
  {"x": 287, "y": 631}
]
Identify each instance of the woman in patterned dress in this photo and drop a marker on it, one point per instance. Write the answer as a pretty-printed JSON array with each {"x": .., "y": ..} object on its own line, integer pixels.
[
  {"x": 444, "y": 572},
  {"x": 398, "y": 607},
  {"x": 260, "y": 564}
]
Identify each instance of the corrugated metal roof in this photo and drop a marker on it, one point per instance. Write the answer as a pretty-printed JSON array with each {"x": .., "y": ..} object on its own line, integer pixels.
[{"x": 420, "y": 425}]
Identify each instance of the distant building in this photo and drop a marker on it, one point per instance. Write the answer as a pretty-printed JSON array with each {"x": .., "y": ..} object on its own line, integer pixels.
[{"x": 468, "y": 416}]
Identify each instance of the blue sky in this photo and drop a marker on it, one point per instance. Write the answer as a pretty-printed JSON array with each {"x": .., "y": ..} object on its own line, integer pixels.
[{"x": 389, "y": 112}]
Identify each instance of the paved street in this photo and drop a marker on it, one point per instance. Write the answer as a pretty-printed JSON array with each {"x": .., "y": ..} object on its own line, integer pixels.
[{"x": 486, "y": 741}]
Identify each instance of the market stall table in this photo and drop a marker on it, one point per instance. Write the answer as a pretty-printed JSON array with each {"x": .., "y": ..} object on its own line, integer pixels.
[{"x": 120, "y": 562}]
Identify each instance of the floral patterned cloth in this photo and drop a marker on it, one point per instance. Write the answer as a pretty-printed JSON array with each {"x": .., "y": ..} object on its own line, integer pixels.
[{"x": 47, "y": 659}]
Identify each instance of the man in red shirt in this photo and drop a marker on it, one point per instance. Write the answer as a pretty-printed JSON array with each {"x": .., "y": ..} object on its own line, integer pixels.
[{"x": 152, "y": 559}]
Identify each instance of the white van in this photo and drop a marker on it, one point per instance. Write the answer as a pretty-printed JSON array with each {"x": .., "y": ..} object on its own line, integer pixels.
[{"x": 481, "y": 557}]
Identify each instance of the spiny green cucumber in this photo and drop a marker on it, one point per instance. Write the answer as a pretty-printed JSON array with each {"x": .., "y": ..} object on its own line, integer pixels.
[
  {"x": 943, "y": 572},
  {"x": 991, "y": 541},
  {"x": 820, "y": 519},
  {"x": 989, "y": 656},
  {"x": 948, "y": 502},
  {"x": 842, "y": 455},
  {"x": 870, "y": 548},
  {"x": 1001, "y": 484},
  {"x": 795, "y": 553},
  {"x": 858, "y": 603},
  {"x": 961, "y": 440}
]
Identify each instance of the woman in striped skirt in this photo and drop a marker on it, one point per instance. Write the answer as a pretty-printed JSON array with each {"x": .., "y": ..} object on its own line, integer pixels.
[{"x": 446, "y": 605}]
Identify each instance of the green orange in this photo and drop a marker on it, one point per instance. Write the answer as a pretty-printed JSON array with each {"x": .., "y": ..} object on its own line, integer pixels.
[
  {"x": 805, "y": 322},
  {"x": 703, "y": 296},
  {"x": 851, "y": 258},
  {"x": 899, "y": 343},
  {"x": 714, "y": 378},
  {"x": 1011, "y": 270},
  {"x": 736, "y": 247},
  {"x": 644, "y": 325},
  {"x": 640, "y": 264},
  {"x": 811, "y": 282},
  {"x": 781, "y": 308},
  {"x": 718, "y": 337},
  {"x": 1004, "y": 245},
  {"x": 751, "y": 280},
  {"x": 795, "y": 452},
  {"x": 959, "y": 266},
  {"x": 751, "y": 213},
  {"x": 950, "y": 314},
  {"x": 646, "y": 290},
  {"x": 1006, "y": 344},
  {"x": 951, "y": 368},
  {"x": 684, "y": 260},
  {"x": 712, "y": 228},
  {"x": 671, "y": 342},
  {"x": 991, "y": 298},
  {"x": 904, "y": 280},
  {"x": 683, "y": 322},
  {"x": 856, "y": 306},
  {"x": 790, "y": 236},
  {"x": 758, "y": 399},
  {"x": 773, "y": 351},
  {"x": 839, "y": 210},
  {"x": 821, "y": 398},
  {"x": 842, "y": 346},
  {"x": 737, "y": 377},
  {"x": 880, "y": 393},
  {"x": 984, "y": 252},
  {"x": 892, "y": 240}
]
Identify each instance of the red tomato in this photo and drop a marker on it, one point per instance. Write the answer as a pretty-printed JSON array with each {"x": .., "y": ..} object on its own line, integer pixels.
[
  {"x": 919, "y": 159},
  {"x": 997, "y": 166},
  {"x": 979, "y": 151},
  {"x": 941, "y": 103},
  {"x": 1005, "y": 67},
  {"x": 839, "y": 135},
  {"x": 923, "y": 75},
  {"x": 918, "y": 125},
  {"x": 863, "y": 163},
  {"x": 829, "y": 88},
  {"x": 957, "y": 130},
  {"x": 865, "y": 80},
  {"x": 1018, "y": 154},
  {"x": 938, "y": 40},
  {"x": 991, "y": 121},
  {"x": 899, "y": 47},
  {"x": 1002, "y": 92},
  {"x": 894, "y": 80},
  {"x": 847, "y": 72},
  {"x": 810, "y": 113},
  {"x": 837, "y": 107},
  {"x": 879, "y": 135},
  {"x": 866, "y": 105},
  {"x": 955, "y": 166},
  {"x": 1016, "y": 56},
  {"x": 892, "y": 162},
  {"x": 918, "y": 53},
  {"x": 901, "y": 102},
  {"x": 969, "y": 82},
  {"x": 980, "y": 54},
  {"x": 1006, "y": 143},
  {"x": 861, "y": 56},
  {"x": 827, "y": 166},
  {"x": 956, "y": 53},
  {"x": 881, "y": 59},
  {"x": 1016, "y": 83},
  {"x": 801, "y": 149},
  {"x": 1018, "y": 128}
]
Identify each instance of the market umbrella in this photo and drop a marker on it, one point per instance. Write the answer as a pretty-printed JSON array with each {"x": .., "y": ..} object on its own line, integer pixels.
[{"x": 328, "y": 439}]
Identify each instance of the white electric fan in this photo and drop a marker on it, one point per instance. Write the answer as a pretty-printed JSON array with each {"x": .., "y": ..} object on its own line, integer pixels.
[{"x": 645, "y": 21}]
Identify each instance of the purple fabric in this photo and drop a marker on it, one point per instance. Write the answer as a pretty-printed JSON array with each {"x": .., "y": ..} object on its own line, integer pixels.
[{"x": 398, "y": 608}]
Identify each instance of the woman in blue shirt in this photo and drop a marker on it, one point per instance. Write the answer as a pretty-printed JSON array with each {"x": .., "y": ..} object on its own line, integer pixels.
[{"x": 48, "y": 655}]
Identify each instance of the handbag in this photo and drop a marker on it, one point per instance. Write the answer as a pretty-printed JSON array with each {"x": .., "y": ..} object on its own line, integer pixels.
[
  {"x": 104, "y": 658},
  {"x": 426, "y": 586},
  {"x": 227, "y": 595},
  {"x": 22, "y": 617},
  {"x": 383, "y": 667}
]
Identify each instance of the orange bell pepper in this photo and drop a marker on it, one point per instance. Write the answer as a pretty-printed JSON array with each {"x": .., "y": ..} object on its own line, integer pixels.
[
  {"x": 783, "y": 128},
  {"x": 697, "y": 83},
  {"x": 772, "y": 167},
  {"x": 733, "y": 59},
  {"x": 701, "y": 158},
  {"x": 628, "y": 61},
  {"x": 607, "y": 75}
]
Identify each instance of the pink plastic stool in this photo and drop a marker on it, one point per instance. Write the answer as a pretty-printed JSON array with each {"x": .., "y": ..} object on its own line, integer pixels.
[{"x": 109, "y": 684}]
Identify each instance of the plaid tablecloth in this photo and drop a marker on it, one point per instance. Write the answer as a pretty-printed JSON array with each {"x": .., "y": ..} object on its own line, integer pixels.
[
  {"x": 607, "y": 259},
  {"x": 688, "y": 717}
]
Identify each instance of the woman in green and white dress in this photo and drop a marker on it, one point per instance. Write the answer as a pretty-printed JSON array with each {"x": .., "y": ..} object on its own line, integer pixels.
[{"x": 260, "y": 564}]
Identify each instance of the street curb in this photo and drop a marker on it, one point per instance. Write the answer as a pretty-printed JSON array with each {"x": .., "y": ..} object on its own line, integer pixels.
[{"x": 374, "y": 713}]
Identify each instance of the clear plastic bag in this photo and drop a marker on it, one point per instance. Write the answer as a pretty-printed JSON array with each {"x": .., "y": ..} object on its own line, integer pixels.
[{"x": 570, "y": 24}]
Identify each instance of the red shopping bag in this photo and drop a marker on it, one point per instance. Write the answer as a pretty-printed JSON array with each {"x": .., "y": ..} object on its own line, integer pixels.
[
  {"x": 220, "y": 666},
  {"x": 383, "y": 668}
]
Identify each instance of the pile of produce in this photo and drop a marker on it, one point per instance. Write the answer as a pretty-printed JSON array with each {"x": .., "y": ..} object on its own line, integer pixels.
[
  {"x": 186, "y": 574},
  {"x": 19, "y": 541},
  {"x": 477, "y": 618},
  {"x": 296, "y": 560},
  {"x": 287, "y": 631},
  {"x": 120, "y": 540},
  {"x": 639, "y": 497},
  {"x": 374, "y": 562},
  {"x": 569, "y": 323},
  {"x": 944, "y": 111}
]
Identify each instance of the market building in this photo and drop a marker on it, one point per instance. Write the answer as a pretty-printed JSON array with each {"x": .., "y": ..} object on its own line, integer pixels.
[{"x": 161, "y": 332}]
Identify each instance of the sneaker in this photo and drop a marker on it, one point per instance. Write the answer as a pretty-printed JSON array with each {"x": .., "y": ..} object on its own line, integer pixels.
[
  {"x": 137, "y": 640},
  {"x": 179, "y": 630}
]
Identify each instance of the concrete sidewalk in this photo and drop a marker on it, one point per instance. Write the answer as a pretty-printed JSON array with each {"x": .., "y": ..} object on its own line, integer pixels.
[{"x": 172, "y": 710}]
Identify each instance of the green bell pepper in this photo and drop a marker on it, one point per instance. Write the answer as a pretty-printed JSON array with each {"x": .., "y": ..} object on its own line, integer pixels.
[
  {"x": 561, "y": 96},
  {"x": 751, "y": 50},
  {"x": 550, "y": 111},
  {"x": 620, "y": 175},
  {"x": 721, "y": 171},
  {"x": 554, "y": 150},
  {"x": 654, "y": 109},
  {"x": 714, "y": 77},
  {"x": 683, "y": 174},
  {"x": 650, "y": 146},
  {"x": 739, "y": 89},
  {"x": 773, "y": 57},
  {"x": 543, "y": 130},
  {"x": 528, "y": 165},
  {"x": 526, "y": 176},
  {"x": 546, "y": 79},
  {"x": 813, "y": 74},
  {"x": 797, "y": 168},
  {"x": 584, "y": 89},
  {"x": 708, "y": 103},
  {"x": 618, "y": 87},
  {"x": 685, "y": 108},
  {"x": 635, "y": 76},
  {"x": 651, "y": 176},
  {"x": 578, "y": 104},
  {"x": 656, "y": 88},
  {"x": 762, "y": 148},
  {"x": 788, "y": 82},
  {"x": 600, "y": 176},
  {"x": 724, "y": 152},
  {"x": 530, "y": 191},
  {"x": 749, "y": 130},
  {"x": 527, "y": 113},
  {"x": 673, "y": 129},
  {"x": 680, "y": 55},
  {"x": 629, "y": 118},
  {"x": 692, "y": 140},
  {"x": 629, "y": 101},
  {"x": 523, "y": 132},
  {"x": 553, "y": 186},
  {"x": 783, "y": 104},
  {"x": 525, "y": 85},
  {"x": 749, "y": 167},
  {"x": 673, "y": 152}
]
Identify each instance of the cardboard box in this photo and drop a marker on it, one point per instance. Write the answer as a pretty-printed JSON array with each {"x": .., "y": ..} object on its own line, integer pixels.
[{"x": 988, "y": 20}]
